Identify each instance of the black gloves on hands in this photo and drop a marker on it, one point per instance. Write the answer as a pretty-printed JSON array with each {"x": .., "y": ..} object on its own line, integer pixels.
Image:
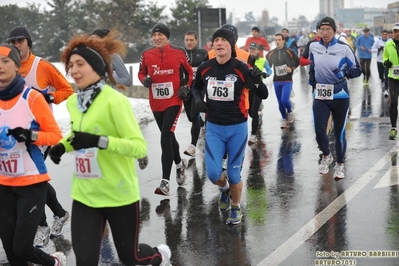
[
  {"x": 381, "y": 48},
  {"x": 56, "y": 152},
  {"x": 20, "y": 134},
  {"x": 184, "y": 93},
  {"x": 256, "y": 74},
  {"x": 143, "y": 162},
  {"x": 49, "y": 98},
  {"x": 200, "y": 106},
  {"x": 387, "y": 63},
  {"x": 83, "y": 140},
  {"x": 147, "y": 82}
]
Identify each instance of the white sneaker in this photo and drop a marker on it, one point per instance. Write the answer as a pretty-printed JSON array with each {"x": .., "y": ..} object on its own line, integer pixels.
[
  {"x": 181, "y": 173},
  {"x": 166, "y": 254},
  {"x": 58, "y": 225},
  {"x": 163, "y": 188},
  {"x": 252, "y": 139},
  {"x": 284, "y": 124},
  {"x": 290, "y": 117},
  {"x": 325, "y": 162},
  {"x": 190, "y": 151},
  {"x": 339, "y": 171},
  {"x": 60, "y": 258},
  {"x": 42, "y": 236}
]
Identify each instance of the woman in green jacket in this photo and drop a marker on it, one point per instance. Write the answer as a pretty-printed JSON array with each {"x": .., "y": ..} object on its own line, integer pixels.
[{"x": 105, "y": 138}]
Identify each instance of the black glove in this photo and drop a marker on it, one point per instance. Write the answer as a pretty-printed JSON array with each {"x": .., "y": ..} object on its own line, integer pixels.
[
  {"x": 49, "y": 98},
  {"x": 83, "y": 140},
  {"x": 56, "y": 152},
  {"x": 147, "y": 82},
  {"x": 184, "y": 92},
  {"x": 200, "y": 106},
  {"x": 256, "y": 74},
  {"x": 381, "y": 48},
  {"x": 387, "y": 63},
  {"x": 264, "y": 75},
  {"x": 143, "y": 162},
  {"x": 20, "y": 134}
]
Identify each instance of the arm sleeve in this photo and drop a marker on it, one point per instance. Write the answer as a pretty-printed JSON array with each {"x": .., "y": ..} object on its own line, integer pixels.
[
  {"x": 49, "y": 133},
  {"x": 266, "y": 44},
  {"x": 268, "y": 69},
  {"x": 55, "y": 79},
  {"x": 121, "y": 75},
  {"x": 142, "y": 69}
]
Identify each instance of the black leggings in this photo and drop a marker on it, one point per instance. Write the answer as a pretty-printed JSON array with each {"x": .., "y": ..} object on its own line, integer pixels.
[
  {"x": 254, "y": 105},
  {"x": 393, "y": 106},
  {"x": 166, "y": 122},
  {"x": 194, "y": 118},
  {"x": 88, "y": 228},
  {"x": 20, "y": 212},
  {"x": 365, "y": 64},
  {"x": 54, "y": 205}
]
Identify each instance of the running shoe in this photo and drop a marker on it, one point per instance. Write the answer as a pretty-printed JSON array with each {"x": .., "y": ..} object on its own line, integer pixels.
[
  {"x": 386, "y": 94},
  {"x": 58, "y": 225},
  {"x": 163, "y": 188},
  {"x": 325, "y": 162},
  {"x": 224, "y": 200},
  {"x": 393, "y": 134},
  {"x": 190, "y": 151},
  {"x": 235, "y": 216},
  {"x": 42, "y": 236},
  {"x": 290, "y": 117},
  {"x": 284, "y": 124},
  {"x": 252, "y": 139},
  {"x": 181, "y": 173},
  {"x": 339, "y": 171},
  {"x": 166, "y": 254},
  {"x": 60, "y": 258}
]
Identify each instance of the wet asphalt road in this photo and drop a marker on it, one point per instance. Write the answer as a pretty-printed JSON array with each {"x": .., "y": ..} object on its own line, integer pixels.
[{"x": 292, "y": 215}]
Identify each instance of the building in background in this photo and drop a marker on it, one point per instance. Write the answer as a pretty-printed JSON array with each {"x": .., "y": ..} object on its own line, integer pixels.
[{"x": 330, "y": 7}]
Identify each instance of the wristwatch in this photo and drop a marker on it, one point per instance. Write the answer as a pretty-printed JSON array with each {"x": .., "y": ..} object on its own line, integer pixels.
[
  {"x": 103, "y": 142},
  {"x": 34, "y": 135}
]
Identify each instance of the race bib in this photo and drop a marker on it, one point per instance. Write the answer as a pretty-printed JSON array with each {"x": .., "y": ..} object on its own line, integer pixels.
[
  {"x": 162, "y": 91},
  {"x": 324, "y": 91},
  {"x": 86, "y": 165},
  {"x": 281, "y": 70},
  {"x": 395, "y": 71},
  {"x": 11, "y": 163},
  {"x": 221, "y": 90}
]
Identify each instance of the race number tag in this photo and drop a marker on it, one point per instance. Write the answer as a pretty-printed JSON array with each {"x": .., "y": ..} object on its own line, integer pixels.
[
  {"x": 324, "y": 91},
  {"x": 11, "y": 163},
  {"x": 162, "y": 90},
  {"x": 221, "y": 90},
  {"x": 395, "y": 71},
  {"x": 281, "y": 70},
  {"x": 86, "y": 165}
]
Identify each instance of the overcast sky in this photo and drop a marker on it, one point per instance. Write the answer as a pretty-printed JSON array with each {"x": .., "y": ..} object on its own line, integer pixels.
[{"x": 308, "y": 8}]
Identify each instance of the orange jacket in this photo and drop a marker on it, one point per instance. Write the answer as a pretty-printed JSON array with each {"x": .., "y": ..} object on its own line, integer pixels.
[
  {"x": 49, "y": 133},
  {"x": 47, "y": 75}
]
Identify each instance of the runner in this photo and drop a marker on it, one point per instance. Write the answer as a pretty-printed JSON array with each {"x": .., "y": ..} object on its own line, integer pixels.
[
  {"x": 41, "y": 75},
  {"x": 224, "y": 80},
  {"x": 105, "y": 185},
  {"x": 164, "y": 69},
  {"x": 284, "y": 61},
  {"x": 332, "y": 64},
  {"x": 27, "y": 124}
]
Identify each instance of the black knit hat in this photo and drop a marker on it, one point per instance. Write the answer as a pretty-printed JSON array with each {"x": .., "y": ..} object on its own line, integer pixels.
[
  {"x": 327, "y": 21},
  {"x": 19, "y": 32},
  {"x": 94, "y": 58},
  {"x": 228, "y": 35},
  {"x": 100, "y": 32},
  {"x": 162, "y": 28},
  {"x": 12, "y": 52},
  {"x": 231, "y": 28}
]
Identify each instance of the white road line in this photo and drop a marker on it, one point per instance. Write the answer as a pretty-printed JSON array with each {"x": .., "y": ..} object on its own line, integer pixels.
[
  {"x": 389, "y": 179},
  {"x": 289, "y": 246}
]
